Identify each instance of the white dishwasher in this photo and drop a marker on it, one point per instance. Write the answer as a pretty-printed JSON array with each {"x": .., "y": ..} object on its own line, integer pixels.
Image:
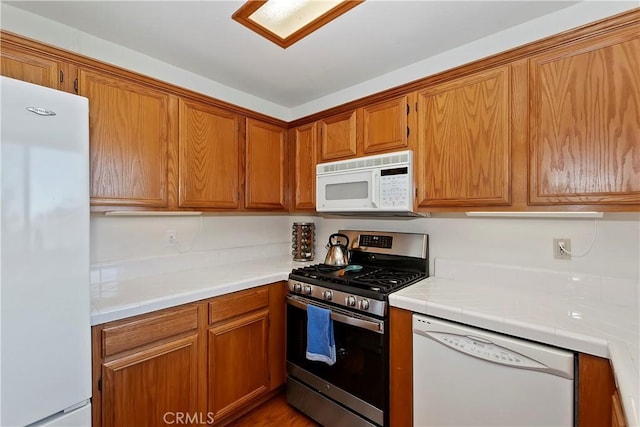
[{"x": 463, "y": 376}]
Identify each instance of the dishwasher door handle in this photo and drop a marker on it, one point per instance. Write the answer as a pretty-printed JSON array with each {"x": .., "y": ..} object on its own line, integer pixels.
[{"x": 484, "y": 349}]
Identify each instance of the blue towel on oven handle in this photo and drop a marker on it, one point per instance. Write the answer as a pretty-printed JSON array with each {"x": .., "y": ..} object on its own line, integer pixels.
[{"x": 321, "y": 346}]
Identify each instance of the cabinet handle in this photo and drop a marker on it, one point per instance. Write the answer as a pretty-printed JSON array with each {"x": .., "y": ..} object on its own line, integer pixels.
[
  {"x": 75, "y": 85},
  {"x": 407, "y": 131},
  {"x": 61, "y": 76}
]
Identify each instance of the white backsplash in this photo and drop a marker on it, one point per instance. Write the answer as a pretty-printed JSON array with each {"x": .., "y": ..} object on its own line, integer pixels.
[
  {"x": 518, "y": 242},
  {"x": 130, "y": 247},
  {"x": 125, "y": 248},
  {"x": 586, "y": 287}
]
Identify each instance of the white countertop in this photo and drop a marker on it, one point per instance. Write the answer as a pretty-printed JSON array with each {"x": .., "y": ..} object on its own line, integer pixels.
[
  {"x": 570, "y": 322},
  {"x": 116, "y": 300},
  {"x": 574, "y": 323}
]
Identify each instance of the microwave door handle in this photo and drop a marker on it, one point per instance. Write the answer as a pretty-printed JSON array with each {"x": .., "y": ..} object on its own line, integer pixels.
[{"x": 374, "y": 189}]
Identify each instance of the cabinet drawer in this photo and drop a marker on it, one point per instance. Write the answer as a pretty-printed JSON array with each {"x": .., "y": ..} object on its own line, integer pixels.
[
  {"x": 238, "y": 303},
  {"x": 135, "y": 333}
]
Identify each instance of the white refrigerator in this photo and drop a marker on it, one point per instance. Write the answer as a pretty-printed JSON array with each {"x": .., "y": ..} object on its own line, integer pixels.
[{"x": 45, "y": 340}]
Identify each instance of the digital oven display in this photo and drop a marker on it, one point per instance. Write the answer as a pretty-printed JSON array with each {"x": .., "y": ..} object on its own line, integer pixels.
[{"x": 373, "y": 241}]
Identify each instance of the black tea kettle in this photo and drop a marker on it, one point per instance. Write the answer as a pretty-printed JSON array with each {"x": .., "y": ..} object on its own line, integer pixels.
[{"x": 337, "y": 253}]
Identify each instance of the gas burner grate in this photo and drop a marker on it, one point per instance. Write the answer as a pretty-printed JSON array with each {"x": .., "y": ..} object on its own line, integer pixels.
[{"x": 387, "y": 279}]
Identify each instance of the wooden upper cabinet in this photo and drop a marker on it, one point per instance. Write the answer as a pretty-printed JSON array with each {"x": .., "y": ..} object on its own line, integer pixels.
[
  {"x": 210, "y": 155},
  {"x": 338, "y": 136},
  {"x": 265, "y": 173},
  {"x": 584, "y": 109},
  {"x": 464, "y": 141},
  {"x": 386, "y": 126},
  {"x": 29, "y": 67},
  {"x": 305, "y": 156},
  {"x": 130, "y": 138}
]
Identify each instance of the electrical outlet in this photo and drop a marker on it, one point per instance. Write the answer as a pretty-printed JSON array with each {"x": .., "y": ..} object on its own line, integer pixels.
[
  {"x": 171, "y": 237},
  {"x": 562, "y": 249}
]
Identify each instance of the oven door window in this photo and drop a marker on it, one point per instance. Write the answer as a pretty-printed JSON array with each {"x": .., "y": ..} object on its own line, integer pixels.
[{"x": 361, "y": 365}]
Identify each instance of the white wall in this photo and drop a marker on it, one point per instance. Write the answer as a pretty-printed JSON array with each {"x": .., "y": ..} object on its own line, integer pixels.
[
  {"x": 129, "y": 238},
  {"x": 513, "y": 241}
]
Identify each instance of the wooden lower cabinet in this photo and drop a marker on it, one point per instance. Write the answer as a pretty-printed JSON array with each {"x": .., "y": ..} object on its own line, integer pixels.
[
  {"x": 595, "y": 387},
  {"x": 151, "y": 387},
  {"x": 617, "y": 416},
  {"x": 400, "y": 368},
  {"x": 203, "y": 363},
  {"x": 238, "y": 362}
]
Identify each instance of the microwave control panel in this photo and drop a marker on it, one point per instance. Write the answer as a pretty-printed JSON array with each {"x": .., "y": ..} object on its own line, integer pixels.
[{"x": 393, "y": 188}]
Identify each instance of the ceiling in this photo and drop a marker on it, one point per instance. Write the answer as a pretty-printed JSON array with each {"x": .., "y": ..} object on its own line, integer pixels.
[{"x": 372, "y": 39}]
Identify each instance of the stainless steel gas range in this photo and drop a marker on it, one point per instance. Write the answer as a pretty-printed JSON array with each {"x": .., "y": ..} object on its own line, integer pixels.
[{"x": 354, "y": 391}]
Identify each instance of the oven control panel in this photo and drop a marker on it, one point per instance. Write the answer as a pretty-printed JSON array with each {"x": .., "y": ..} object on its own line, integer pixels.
[
  {"x": 353, "y": 302},
  {"x": 374, "y": 241}
]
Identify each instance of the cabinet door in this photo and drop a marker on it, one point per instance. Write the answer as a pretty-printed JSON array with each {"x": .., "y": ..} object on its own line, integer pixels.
[
  {"x": 584, "y": 109},
  {"x": 238, "y": 362},
  {"x": 148, "y": 388},
  {"x": 464, "y": 141},
  {"x": 209, "y": 167},
  {"x": 28, "y": 67},
  {"x": 305, "y": 159},
  {"x": 385, "y": 126},
  {"x": 265, "y": 166},
  {"x": 338, "y": 136},
  {"x": 129, "y": 127}
]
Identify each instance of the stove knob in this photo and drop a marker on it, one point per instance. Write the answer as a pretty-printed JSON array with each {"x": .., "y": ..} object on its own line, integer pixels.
[
  {"x": 327, "y": 295},
  {"x": 307, "y": 289},
  {"x": 363, "y": 304},
  {"x": 297, "y": 287},
  {"x": 351, "y": 301}
]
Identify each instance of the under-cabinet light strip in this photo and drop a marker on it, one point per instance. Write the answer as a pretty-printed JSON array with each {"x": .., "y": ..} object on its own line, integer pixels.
[
  {"x": 541, "y": 214},
  {"x": 152, "y": 213}
]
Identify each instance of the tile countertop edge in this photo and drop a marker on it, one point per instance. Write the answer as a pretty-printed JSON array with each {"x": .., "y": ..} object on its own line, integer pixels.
[
  {"x": 618, "y": 354},
  {"x": 122, "y": 312}
]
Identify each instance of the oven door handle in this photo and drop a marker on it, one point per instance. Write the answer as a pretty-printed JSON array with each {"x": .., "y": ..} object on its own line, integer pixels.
[{"x": 357, "y": 321}]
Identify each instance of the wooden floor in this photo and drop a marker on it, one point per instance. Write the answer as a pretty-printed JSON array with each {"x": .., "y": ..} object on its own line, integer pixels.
[{"x": 275, "y": 413}]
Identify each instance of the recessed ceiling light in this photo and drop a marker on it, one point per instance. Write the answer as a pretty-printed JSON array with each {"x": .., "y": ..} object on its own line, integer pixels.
[{"x": 284, "y": 22}]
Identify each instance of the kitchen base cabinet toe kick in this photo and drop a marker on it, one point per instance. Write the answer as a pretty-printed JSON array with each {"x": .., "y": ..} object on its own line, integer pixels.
[{"x": 203, "y": 363}]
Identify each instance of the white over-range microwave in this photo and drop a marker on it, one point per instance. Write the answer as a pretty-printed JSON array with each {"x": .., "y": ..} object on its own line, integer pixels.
[{"x": 381, "y": 184}]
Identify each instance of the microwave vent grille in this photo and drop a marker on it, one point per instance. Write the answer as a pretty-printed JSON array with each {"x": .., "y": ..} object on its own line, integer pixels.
[{"x": 366, "y": 163}]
